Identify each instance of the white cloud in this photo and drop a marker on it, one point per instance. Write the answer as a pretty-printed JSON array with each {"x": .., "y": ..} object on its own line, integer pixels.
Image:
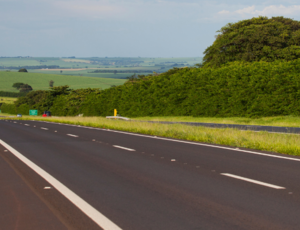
[
  {"x": 247, "y": 10},
  {"x": 279, "y": 10},
  {"x": 272, "y": 10},
  {"x": 224, "y": 12}
]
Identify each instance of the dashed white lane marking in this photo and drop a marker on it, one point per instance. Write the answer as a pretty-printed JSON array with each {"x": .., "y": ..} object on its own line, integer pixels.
[
  {"x": 27, "y": 124},
  {"x": 71, "y": 135},
  {"x": 121, "y": 147},
  {"x": 44, "y": 128},
  {"x": 86, "y": 208},
  {"x": 185, "y": 142},
  {"x": 253, "y": 181},
  {"x": 47, "y": 187},
  {"x": 15, "y": 122}
]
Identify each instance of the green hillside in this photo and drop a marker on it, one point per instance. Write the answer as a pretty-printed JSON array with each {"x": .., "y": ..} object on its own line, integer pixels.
[{"x": 40, "y": 81}]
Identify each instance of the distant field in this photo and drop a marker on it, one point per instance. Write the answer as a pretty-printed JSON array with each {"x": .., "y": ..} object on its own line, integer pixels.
[
  {"x": 84, "y": 66},
  {"x": 40, "y": 81},
  {"x": 76, "y": 60},
  {"x": 7, "y": 100},
  {"x": 85, "y": 72}
]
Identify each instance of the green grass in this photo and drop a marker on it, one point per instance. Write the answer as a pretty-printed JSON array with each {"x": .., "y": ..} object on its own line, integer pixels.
[
  {"x": 285, "y": 121},
  {"x": 7, "y": 100},
  {"x": 40, "y": 81},
  {"x": 279, "y": 143}
]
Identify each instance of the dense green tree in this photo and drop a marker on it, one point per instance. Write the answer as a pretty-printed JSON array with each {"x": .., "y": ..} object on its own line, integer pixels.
[
  {"x": 51, "y": 83},
  {"x": 17, "y": 85},
  {"x": 256, "y": 39},
  {"x": 23, "y": 70},
  {"x": 25, "y": 88}
]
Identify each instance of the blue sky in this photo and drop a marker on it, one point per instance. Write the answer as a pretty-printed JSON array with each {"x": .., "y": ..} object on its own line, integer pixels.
[{"x": 124, "y": 28}]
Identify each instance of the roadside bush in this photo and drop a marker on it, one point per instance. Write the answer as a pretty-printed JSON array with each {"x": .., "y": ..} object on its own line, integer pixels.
[{"x": 241, "y": 89}]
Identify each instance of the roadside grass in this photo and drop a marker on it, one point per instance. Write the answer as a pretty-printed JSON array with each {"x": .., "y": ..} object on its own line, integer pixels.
[
  {"x": 272, "y": 142},
  {"x": 285, "y": 121},
  {"x": 8, "y": 100}
]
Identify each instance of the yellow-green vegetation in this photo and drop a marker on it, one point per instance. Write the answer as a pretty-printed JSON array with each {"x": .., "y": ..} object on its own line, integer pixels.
[
  {"x": 283, "y": 121},
  {"x": 40, "y": 81},
  {"x": 280, "y": 143},
  {"x": 7, "y": 100},
  {"x": 76, "y": 60}
]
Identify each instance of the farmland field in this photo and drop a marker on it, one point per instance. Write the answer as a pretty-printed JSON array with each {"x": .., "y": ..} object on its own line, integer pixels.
[
  {"x": 86, "y": 66},
  {"x": 40, "y": 81}
]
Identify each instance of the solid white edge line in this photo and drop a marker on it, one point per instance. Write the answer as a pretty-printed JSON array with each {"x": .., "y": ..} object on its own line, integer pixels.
[
  {"x": 188, "y": 142},
  {"x": 71, "y": 135},
  {"x": 121, "y": 147},
  {"x": 44, "y": 128},
  {"x": 253, "y": 181},
  {"x": 90, "y": 211}
]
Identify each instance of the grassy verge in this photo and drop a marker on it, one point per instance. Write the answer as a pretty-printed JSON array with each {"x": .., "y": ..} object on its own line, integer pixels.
[
  {"x": 8, "y": 100},
  {"x": 285, "y": 121},
  {"x": 280, "y": 143}
]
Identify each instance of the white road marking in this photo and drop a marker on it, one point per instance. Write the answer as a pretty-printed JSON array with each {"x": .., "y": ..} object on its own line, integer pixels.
[
  {"x": 86, "y": 208},
  {"x": 71, "y": 135},
  {"x": 173, "y": 160},
  {"x": 120, "y": 147},
  {"x": 44, "y": 128},
  {"x": 27, "y": 125},
  {"x": 253, "y": 181},
  {"x": 47, "y": 187},
  {"x": 15, "y": 122},
  {"x": 188, "y": 142}
]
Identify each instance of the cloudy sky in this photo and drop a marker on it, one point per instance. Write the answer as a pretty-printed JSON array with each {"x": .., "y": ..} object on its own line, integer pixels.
[{"x": 124, "y": 28}]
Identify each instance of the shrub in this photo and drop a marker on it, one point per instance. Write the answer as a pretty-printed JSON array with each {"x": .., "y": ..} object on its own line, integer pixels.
[{"x": 23, "y": 70}]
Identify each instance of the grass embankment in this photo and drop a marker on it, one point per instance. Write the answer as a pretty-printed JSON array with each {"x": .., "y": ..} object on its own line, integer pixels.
[
  {"x": 40, "y": 81},
  {"x": 7, "y": 100},
  {"x": 283, "y": 121},
  {"x": 280, "y": 143}
]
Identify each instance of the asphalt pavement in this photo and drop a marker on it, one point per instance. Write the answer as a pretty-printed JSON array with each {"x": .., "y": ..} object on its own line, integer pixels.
[{"x": 57, "y": 176}]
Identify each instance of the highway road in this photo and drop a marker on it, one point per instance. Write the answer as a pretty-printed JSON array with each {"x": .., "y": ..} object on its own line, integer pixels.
[{"x": 57, "y": 176}]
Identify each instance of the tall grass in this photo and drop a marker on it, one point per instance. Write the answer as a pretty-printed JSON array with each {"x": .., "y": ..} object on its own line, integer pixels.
[{"x": 279, "y": 143}]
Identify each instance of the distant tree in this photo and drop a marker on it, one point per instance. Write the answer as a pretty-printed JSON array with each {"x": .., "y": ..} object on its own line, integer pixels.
[
  {"x": 25, "y": 88},
  {"x": 51, "y": 83},
  {"x": 115, "y": 71},
  {"x": 61, "y": 71},
  {"x": 17, "y": 85},
  {"x": 23, "y": 70}
]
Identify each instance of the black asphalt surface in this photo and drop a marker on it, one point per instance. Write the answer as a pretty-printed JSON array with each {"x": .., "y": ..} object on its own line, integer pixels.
[
  {"x": 161, "y": 185},
  {"x": 272, "y": 129}
]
